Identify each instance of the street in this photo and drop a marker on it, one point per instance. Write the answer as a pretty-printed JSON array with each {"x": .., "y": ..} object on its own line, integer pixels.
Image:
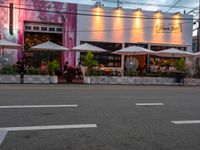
[{"x": 99, "y": 117}]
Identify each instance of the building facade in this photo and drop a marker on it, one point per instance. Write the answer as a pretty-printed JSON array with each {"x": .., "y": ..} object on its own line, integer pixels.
[{"x": 36, "y": 21}]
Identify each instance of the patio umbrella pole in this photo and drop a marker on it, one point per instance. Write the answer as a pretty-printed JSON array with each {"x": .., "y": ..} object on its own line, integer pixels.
[
  {"x": 3, "y": 50},
  {"x": 173, "y": 60},
  {"x": 122, "y": 65},
  {"x": 48, "y": 55}
]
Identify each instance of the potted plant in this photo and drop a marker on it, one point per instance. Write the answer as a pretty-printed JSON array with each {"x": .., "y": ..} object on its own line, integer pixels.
[
  {"x": 90, "y": 65},
  {"x": 8, "y": 74},
  {"x": 33, "y": 75},
  {"x": 53, "y": 67}
]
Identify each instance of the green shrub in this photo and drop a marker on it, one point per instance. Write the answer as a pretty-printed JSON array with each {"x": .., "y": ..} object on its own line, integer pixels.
[
  {"x": 53, "y": 67},
  {"x": 9, "y": 70},
  {"x": 198, "y": 72},
  {"x": 90, "y": 64},
  {"x": 132, "y": 73},
  {"x": 33, "y": 71},
  {"x": 180, "y": 64}
]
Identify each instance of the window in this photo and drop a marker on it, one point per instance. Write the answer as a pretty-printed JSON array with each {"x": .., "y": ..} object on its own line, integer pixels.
[
  {"x": 27, "y": 27},
  {"x": 59, "y": 29},
  {"x": 43, "y": 28},
  {"x": 51, "y": 29},
  {"x": 36, "y": 28},
  {"x": 107, "y": 59}
]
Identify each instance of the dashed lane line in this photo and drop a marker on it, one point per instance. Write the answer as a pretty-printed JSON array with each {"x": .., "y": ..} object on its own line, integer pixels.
[
  {"x": 36, "y": 106},
  {"x": 186, "y": 122},
  {"x": 150, "y": 104}
]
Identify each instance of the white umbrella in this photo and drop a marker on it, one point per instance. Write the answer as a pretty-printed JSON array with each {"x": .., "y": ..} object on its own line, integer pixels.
[
  {"x": 197, "y": 54},
  {"x": 173, "y": 52},
  {"x": 48, "y": 46},
  {"x": 134, "y": 50},
  {"x": 88, "y": 48},
  {"x": 7, "y": 44}
]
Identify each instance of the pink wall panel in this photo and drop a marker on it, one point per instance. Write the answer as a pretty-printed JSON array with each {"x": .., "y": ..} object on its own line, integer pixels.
[{"x": 45, "y": 15}]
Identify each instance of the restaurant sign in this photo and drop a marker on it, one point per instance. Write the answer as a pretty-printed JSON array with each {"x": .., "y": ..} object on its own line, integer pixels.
[{"x": 161, "y": 28}]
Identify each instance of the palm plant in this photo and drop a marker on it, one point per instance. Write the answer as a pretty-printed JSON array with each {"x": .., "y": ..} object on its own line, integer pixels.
[
  {"x": 90, "y": 63},
  {"x": 53, "y": 67}
]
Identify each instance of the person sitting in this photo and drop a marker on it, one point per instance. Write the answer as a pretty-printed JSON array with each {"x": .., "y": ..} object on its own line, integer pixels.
[
  {"x": 66, "y": 65},
  {"x": 70, "y": 74},
  {"x": 78, "y": 71}
]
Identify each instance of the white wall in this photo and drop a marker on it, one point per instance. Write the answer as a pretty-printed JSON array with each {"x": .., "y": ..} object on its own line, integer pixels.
[{"x": 115, "y": 29}]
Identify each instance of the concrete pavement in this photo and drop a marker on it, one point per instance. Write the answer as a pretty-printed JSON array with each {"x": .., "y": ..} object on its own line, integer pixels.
[{"x": 121, "y": 124}]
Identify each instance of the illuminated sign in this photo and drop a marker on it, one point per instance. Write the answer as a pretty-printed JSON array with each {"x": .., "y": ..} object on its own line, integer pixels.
[{"x": 161, "y": 28}]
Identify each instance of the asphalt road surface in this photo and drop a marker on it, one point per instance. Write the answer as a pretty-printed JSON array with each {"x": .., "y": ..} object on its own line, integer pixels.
[{"x": 99, "y": 117}]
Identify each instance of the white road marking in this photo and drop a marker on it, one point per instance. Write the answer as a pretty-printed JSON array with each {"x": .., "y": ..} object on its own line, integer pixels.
[
  {"x": 36, "y": 106},
  {"x": 149, "y": 104},
  {"x": 3, "y": 134},
  {"x": 186, "y": 122},
  {"x": 3, "y": 131},
  {"x": 53, "y": 127}
]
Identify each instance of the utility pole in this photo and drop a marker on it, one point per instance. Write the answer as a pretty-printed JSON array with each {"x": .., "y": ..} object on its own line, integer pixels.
[
  {"x": 118, "y": 3},
  {"x": 198, "y": 32}
]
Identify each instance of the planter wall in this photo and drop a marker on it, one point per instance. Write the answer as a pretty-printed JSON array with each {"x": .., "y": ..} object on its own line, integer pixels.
[
  {"x": 53, "y": 79},
  {"x": 191, "y": 81},
  {"x": 131, "y": 80},
  {"x": 36, "y": 79},
  {"x": 10, "y": 79}
]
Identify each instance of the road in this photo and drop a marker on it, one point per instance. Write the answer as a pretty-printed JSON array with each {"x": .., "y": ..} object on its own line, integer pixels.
[{"x": 99, "y": 117}]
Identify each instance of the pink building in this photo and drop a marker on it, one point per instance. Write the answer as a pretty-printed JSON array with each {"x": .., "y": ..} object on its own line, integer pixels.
[{"x": 31, "y": 22}]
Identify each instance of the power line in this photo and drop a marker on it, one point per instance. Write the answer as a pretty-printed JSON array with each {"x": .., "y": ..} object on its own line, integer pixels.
[
  {"x": 147, "y": 4},
  {"x": 80, "y": 10},
  {"x": 134, "y": 3},
  {"x": 173, "y": 5},
  {"x": 192, "y": 10},
  {"x": 111, "y": 30},
  {"x": 108, "y": 16}
]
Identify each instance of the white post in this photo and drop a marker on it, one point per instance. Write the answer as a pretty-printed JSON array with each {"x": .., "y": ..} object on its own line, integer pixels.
[
  {"x": 122, "y": 65},
  {"x": 122, "y": 60}
]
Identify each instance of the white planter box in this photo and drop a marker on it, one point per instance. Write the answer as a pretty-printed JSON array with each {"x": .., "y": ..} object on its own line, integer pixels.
[
  {"x": 129, "y": 80},
  {"x": 10, "y": 79},
  {"x": 53, "y": 79},
  {"x": 138, "y": 80},
  {"x": 191, "y": 81},
  {"x": 86, "y": 80},
  {"x": 36, "y": 79}
]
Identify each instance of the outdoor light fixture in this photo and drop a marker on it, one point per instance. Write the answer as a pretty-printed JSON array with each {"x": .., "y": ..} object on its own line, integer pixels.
[
  {"x": 118, "y": 5},
  {"x": 119, "y": 8},
  {"x": 159, "y": 11},
  {"x": 98, "y": 4},
  {"x": 138, "y": 9},
  {"x": 177, "y": 13}
]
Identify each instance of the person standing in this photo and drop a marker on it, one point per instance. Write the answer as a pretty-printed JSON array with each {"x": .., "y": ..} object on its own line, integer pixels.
[
  {"x": 79, "y": 71},
  {"x": 66, "y": 66},
  {"x": 21, "y": 69}
]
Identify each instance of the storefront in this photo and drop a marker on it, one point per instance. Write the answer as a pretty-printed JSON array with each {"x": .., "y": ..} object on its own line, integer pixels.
[
  {"x": 34, "y": 22},
  {"x": 152, "y": 30}
]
